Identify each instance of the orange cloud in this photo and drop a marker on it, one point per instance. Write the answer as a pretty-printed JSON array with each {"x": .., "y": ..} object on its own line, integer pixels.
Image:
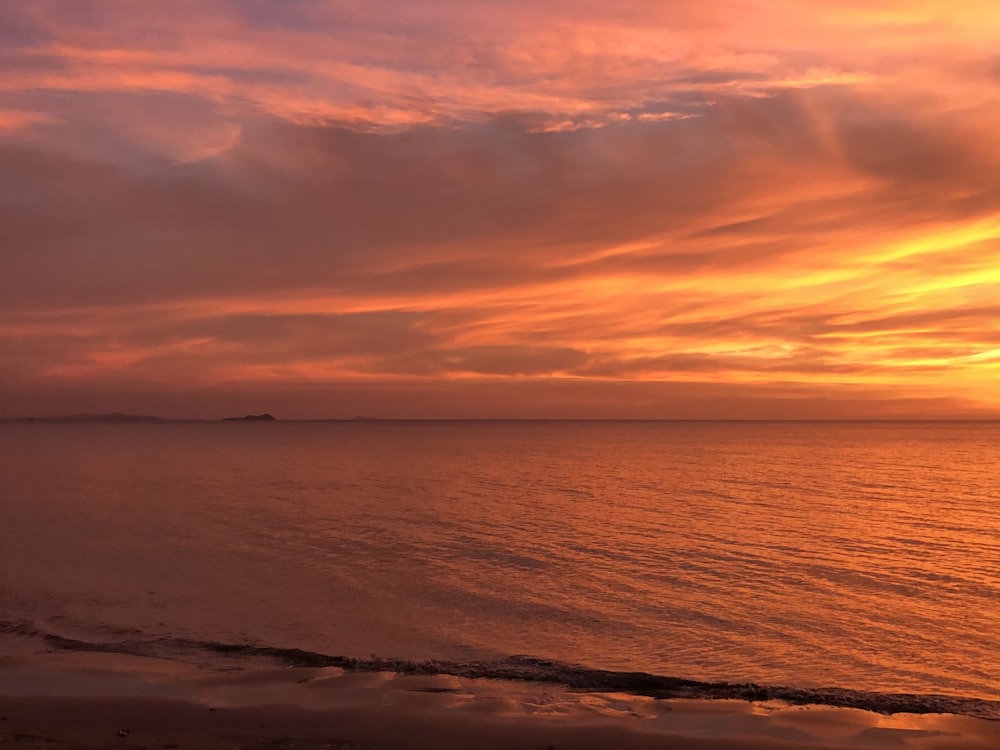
[{"x": 762, "y": 209}]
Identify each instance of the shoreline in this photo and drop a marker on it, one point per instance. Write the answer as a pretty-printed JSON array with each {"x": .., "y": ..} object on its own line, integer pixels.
[
  {"x": 523, "y": 669},
  {"x": 98, "y": 701}
]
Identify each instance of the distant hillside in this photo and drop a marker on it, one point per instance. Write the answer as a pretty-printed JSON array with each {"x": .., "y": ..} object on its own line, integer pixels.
[
  {"x": 251, "y": 418},
  {"x": 92, "y": 418}
]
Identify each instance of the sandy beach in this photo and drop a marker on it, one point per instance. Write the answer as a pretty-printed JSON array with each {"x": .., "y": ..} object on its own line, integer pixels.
[{"x": 111, "y": 701}]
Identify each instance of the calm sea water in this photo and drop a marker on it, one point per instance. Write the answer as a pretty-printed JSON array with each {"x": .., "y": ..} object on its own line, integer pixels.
[{"x": 861, "y": 555}]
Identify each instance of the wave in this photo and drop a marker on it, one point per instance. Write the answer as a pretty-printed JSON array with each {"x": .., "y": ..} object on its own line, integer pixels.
[{"x": 533, "y": 669}]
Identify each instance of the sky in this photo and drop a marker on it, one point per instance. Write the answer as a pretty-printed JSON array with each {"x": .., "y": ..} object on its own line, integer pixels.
[{"x": 721, "y": 209}]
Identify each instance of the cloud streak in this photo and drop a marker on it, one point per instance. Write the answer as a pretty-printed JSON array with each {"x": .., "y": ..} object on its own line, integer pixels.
[{"x": 504, "y": 209}]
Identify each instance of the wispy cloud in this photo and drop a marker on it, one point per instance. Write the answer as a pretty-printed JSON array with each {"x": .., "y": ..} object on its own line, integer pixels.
[{"x": 762, "y": 207}]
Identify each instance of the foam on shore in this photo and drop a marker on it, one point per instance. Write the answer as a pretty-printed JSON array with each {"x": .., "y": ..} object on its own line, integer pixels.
[
  {"x": 101, "y": 700},
  {"x": 514, "y": 668}
]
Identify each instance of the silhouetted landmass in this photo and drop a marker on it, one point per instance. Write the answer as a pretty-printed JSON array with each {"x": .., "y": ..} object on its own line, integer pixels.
[
  {"x": 265, "y": 417},
  {"x": 366, "y": 419},
  {"x": 94, "y": 418}
]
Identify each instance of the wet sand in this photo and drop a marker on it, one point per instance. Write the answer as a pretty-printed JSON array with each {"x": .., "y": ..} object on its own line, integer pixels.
[{"x": 99, "y": 701}]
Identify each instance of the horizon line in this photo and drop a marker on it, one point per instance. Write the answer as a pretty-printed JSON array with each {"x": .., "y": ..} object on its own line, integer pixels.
[{"x": 121, "y": 418}]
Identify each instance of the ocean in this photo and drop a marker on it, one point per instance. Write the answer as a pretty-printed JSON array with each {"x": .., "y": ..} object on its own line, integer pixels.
[{"x": 848, "y": 562}]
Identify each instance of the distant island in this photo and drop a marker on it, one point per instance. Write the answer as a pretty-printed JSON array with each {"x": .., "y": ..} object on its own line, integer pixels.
[
  {"x": 113, "y": 417},
  {"x": 121, "y": 418}
]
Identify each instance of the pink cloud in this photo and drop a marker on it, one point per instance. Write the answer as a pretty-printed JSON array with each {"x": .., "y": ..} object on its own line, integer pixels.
[{"x": 775, "y": 199}]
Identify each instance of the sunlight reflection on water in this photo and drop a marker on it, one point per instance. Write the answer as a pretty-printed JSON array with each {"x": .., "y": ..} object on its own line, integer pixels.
[{"x": 856, "y": 554}]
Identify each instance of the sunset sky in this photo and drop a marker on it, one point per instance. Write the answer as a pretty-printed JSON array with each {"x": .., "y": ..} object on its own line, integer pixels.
[{"x": 500, "y": 208}]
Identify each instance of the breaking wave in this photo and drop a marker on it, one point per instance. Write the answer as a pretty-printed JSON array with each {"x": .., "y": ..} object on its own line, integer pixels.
[{"x": 532, "y": 669}]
